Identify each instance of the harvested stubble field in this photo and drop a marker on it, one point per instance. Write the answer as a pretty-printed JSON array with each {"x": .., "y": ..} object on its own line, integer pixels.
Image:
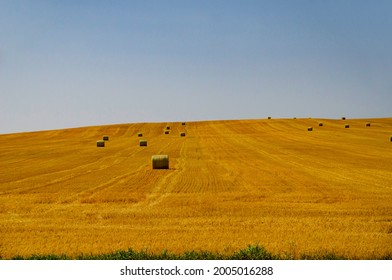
[{"x": 230, "y": 183}]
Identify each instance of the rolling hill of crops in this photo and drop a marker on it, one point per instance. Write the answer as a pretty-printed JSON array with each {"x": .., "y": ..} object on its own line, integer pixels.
[{"x": 229, "y": 184}]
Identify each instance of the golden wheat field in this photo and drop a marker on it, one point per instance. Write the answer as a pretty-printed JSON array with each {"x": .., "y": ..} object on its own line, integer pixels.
[{"x": 229, "y": 184}]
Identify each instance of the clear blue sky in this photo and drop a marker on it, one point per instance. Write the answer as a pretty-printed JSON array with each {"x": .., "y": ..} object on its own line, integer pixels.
[{"x": 78, "y": 63}]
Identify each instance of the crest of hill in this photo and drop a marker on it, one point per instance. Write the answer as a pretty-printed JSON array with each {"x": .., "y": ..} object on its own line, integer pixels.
[{"x": 116, "y": 128}]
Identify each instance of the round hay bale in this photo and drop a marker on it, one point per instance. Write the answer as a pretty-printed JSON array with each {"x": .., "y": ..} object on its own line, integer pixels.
[
  {"x": 182, "y": 134},
  {"x": 105, "y": 138},
  {"x": 310, "y": 128},
  {"x": 391, "y": 139},
  {"x": 140, "y": 134},
  {"x": 143, "y": 143},
  {"x": 320, "y": 124},
  {"x": 100, "y": 143},
  {"x": 167, "y": 131},
  {"x": 343, "y": 118},
  {"x": 269, "y": 118},
  {"x": 368, "y": 124},
  {"x": 183, "y": 123},
  {"x": 160, "y": 162},
  {"x": 346, "y": 126},
  {"x": 168, "y": 127}
]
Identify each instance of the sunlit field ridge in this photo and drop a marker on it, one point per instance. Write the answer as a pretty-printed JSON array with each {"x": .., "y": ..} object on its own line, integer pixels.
[{"x": 229, "y": 184}]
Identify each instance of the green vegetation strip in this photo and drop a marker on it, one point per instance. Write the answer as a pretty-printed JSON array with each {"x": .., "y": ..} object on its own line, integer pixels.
[{"x": 252, "y": 252}]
